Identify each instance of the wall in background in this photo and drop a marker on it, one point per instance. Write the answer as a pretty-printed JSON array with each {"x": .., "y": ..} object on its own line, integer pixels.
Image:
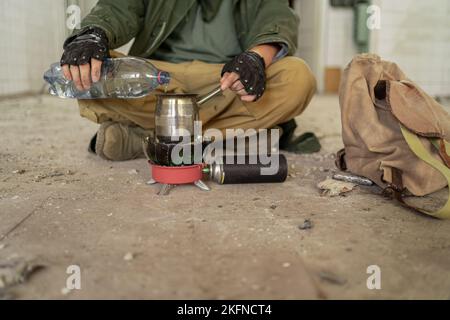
[
  {"x": 32, "y": 34},
  {"x": 325, "y": 36},
  {"x": 339, "y": 45},
  {"x": 311, "y": 36},
  {"x": 416, "y": 35}
]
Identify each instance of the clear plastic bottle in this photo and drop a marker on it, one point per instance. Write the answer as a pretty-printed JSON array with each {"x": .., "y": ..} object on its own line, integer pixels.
[{"x": 124, "y": 78}]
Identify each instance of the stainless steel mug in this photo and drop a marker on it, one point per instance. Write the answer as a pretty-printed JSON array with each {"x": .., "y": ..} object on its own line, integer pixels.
[{"x": 176, "y": 114}]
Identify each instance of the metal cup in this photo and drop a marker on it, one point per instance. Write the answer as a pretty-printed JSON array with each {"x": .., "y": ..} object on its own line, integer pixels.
[{"x": 176, "y": 115}]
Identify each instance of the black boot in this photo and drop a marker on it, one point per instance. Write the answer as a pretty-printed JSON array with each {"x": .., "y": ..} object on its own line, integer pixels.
[
  {"x": 92, "y": 144},
  {"x": 307, "y": 143}
]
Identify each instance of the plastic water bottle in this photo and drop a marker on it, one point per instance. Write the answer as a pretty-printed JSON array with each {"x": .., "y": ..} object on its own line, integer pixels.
[{"x": 124, "y": 78}]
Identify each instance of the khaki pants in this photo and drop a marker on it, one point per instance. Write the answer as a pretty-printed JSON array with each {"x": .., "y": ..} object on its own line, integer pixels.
[{"x": 290, "y": 87}]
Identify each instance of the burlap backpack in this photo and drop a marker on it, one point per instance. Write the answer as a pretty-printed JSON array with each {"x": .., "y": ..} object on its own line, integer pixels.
[{"x": 393, "y": 132}]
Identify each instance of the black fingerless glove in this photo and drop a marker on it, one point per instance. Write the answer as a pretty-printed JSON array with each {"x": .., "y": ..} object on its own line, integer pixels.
[
  {"x": 251, "y": 69},
  {"x": 79, "y": 49}
]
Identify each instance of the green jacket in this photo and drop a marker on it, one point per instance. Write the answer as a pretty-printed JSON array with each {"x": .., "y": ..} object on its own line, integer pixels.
[{"x": 152, "y": 21}]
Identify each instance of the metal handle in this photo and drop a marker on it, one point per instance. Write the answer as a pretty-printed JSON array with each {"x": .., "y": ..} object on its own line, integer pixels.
[
  {"x": 145, "y": 143},
  {"x": 209, "y": 96}
]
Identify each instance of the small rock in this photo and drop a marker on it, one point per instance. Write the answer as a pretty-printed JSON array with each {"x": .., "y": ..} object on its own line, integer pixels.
[
  {"x": 39, "y": 178},
  {"x": 307, "y": 225},
  {"x": 273, "y": 207},
  {"x": 133, "y": 172},
  {"x": 110, "y": 214},
  {"x": 286, "y": 265},
  {"x": 19, "y": 171},
  {"x": 128, "y": 257},
  {"x": 15, "y": 198},
  {"x": 333, "y": 188},
  {"x": 2, "y": 246}
]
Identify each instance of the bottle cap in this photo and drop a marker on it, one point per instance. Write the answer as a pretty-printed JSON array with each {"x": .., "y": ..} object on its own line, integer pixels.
[{"x": 163, "y": 77}]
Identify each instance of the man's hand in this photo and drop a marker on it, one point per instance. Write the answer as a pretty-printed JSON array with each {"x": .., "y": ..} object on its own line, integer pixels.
[
  {"x": 245, "y": 75},
  {"x": 83, "y": 57}
]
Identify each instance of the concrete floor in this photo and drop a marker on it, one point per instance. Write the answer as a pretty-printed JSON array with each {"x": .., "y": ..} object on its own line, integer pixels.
[{"x": 62, "y": 206}]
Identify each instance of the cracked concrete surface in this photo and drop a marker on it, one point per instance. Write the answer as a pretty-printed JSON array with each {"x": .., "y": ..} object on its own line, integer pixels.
[{"x": 65, "y": 207}]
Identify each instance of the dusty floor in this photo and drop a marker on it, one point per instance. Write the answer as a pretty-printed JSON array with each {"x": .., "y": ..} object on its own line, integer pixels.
[{"x": 63, "y": 207}]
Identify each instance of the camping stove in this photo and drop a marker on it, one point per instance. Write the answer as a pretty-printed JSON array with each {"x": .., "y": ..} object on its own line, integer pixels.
[
  {"x": 175, "y": 118},
  {"x": 169, "y": 177}
]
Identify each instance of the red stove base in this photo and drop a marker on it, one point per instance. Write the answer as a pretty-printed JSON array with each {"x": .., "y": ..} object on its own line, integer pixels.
[{"x": 169, "y": 177}]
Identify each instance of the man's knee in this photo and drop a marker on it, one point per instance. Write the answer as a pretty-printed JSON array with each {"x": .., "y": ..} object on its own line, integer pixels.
[
  {"x": 87, "y": 112},
  {"x": 295, "y": 85},
  {"x": 300, "y": 81}
]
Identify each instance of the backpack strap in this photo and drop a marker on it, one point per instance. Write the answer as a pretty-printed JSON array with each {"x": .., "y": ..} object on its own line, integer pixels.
[
  {"x": 420, "y": 151},
  {"x": 443, "y": 147}
]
